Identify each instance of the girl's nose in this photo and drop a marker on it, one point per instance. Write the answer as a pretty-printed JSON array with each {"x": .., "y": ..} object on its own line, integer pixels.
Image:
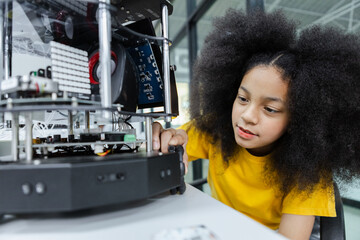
[{"x": 250, "y": 115}]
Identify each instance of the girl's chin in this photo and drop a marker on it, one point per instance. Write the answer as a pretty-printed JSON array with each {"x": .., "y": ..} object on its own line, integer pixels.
[{"x": 243, "y": 144}]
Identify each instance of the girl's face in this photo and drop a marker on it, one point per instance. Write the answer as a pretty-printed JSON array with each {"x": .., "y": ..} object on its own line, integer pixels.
[{"x": 260, "y": 114}]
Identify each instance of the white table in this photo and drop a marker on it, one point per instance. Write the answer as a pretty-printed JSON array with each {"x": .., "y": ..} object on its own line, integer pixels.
[{"x": 140, "y": 220}]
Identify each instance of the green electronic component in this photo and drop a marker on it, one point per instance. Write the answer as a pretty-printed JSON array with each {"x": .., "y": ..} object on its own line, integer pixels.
[{"x": 129, "y": 138}]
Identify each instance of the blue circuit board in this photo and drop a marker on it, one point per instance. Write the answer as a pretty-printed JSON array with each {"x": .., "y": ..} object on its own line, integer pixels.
[{"x": 151, "y": 92}]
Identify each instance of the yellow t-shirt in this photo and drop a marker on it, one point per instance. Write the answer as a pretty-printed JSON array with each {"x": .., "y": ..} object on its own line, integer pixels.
[{"x": 241, "y": 185}]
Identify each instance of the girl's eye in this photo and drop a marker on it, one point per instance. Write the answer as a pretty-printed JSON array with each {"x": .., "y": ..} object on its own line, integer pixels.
[
  {"x": 270, "y": 110},
  {"x": 242, "y": 99}
]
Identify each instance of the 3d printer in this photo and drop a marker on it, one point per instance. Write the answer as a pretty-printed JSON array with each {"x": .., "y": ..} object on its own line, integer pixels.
[{"x": 96, "y": 64}]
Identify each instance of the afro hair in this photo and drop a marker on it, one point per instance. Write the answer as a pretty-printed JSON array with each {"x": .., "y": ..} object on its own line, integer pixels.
[{"x": 321, "y": 141}]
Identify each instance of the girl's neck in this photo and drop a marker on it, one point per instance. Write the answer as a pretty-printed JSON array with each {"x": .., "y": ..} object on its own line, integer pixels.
[{"x": 260, "y": 152}]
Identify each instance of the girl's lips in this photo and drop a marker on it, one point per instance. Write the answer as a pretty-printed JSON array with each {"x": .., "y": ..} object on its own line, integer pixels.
[{"x": 246, "y": 133}]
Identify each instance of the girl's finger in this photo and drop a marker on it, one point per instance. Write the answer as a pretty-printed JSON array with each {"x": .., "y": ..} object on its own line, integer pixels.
[{"x": 156, "y": 132}]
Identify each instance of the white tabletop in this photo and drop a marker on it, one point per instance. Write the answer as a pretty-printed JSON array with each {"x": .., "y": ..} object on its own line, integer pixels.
[{"x": 140, "y": 220}]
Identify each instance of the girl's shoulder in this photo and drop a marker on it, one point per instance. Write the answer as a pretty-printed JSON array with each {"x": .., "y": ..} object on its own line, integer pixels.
[
  {"x": 199, "y": 144},
  {"x": 195, "y": 134}
]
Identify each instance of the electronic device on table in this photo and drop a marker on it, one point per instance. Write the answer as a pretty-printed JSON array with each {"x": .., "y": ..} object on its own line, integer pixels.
[{"x": 75, "y": 78}]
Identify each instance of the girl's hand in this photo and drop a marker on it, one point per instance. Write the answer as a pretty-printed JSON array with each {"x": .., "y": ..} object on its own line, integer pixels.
[{"x": 163, "y": 138}]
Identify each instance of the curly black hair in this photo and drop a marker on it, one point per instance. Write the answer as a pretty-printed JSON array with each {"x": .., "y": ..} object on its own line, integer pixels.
[{"x": 323, "y": 68}]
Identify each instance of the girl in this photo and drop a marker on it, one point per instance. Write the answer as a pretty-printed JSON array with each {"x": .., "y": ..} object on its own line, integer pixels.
[{"x": 276, "y": 116}]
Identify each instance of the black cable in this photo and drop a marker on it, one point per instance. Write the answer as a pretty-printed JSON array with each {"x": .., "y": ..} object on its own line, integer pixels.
[
  {"x": 129, "y": 124},
  {"x": 128, "y": 118},
  {"x": 62, "y": 114},
  {"x": 145, "y": 36},
  {"x": 130, "y": 148},
  {"x": 126, "y": 121}
]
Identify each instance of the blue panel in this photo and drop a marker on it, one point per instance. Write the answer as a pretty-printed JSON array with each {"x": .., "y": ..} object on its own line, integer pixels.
[{"x": 150, "y": 83}]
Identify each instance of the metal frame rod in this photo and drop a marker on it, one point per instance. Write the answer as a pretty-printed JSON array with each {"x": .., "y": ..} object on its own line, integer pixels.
[
  {"x": 28, "y": 137},
  {"x": 7, "y": 41},
  {"x": 2, "y": 45},
  {"x": 2, "y": 51},
  {"x": 166, "y": 61},
  {"x": 70, "y": 123},
  {"x": 15, "y": 136},
  {"x": 105, "y": 56},
  {"x": 148, "y": 134},
  {"x": 87, "y": 120}
]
